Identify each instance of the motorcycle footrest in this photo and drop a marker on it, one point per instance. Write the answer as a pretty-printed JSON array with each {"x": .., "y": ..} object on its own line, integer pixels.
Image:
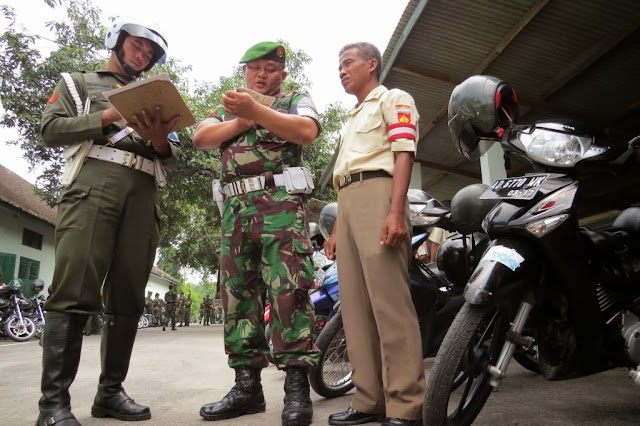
[{"x": 520, "y": 340}]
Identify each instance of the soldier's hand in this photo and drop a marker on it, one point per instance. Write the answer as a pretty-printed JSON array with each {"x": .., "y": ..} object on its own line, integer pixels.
[
  {"x": 245, "y": 124},
  {"x": 330, "y": 247},
  {"x": 239, "y": 104},
  {"x": 150, "y": 126},
  {"x": 110, "y": 116}
]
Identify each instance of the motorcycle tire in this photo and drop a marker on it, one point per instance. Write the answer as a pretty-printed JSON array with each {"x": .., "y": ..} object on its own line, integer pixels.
[
  {"x": 39, "y": 327},
  {"x": 19, "y": 332},
  {"x": 331, "y": 378},
  {"x": 474, "y": 341},
  {"x": 141, "y": 322}
]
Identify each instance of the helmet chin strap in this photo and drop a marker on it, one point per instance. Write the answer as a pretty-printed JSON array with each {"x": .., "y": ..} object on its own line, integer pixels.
[{"x": 125, "y": 67}]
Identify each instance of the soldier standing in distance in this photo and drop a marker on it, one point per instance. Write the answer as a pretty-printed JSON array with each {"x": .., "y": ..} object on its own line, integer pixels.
[
  {"x": 170, "y": 299},
  {"x": 107, "y": 228},
  {"x": 265, "y": 242},
  {"x": 186, "y": 318},
  {"x": 180, "y": 308},
  {"x": 157, "y": 310},
  {"x": 148, "y": 303},
  {"x": 208, "y": 307}
]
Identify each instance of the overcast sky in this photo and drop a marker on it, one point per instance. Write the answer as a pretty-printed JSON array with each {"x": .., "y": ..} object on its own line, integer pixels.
[{"x": 212, "y": 36}]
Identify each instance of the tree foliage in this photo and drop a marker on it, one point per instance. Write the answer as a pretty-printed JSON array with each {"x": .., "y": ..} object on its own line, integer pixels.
[{"x": 190, "y": 235}]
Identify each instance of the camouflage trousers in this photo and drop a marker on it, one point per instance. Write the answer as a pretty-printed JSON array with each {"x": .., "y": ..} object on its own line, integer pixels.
[
  {"x": 170, "y": 315},
  {"x": 265, "y": 250}
]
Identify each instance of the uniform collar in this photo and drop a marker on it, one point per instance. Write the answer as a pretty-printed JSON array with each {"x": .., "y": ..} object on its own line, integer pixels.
[
  {"x": 124, "y": 79},
  {"x": 374, "y": 94}
]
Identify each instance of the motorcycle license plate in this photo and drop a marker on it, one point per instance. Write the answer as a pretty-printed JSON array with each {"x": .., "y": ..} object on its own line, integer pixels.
[{"x": 517, "y": 188}]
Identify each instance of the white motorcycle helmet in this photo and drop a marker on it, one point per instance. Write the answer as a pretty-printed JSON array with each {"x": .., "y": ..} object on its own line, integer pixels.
[{"x": 117, "y": 32}]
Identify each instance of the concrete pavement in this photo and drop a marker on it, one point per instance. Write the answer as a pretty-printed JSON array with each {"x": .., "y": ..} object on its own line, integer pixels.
[{"x": 175, "y": 372}]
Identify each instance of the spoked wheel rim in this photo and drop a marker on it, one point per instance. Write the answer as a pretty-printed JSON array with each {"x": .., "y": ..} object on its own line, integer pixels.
[
  {"x": 22, "y": 329},
  {"x": 472, "y": 379},
  {"x": 336, "y": 369}
]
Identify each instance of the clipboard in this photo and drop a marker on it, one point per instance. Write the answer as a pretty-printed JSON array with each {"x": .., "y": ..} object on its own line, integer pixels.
[{"x": 147, "y": 94}]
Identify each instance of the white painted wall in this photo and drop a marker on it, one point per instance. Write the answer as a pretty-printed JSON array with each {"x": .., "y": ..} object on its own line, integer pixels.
[
  {"x": 157, "y": 284},
  {"x": 12, "y": 224}
]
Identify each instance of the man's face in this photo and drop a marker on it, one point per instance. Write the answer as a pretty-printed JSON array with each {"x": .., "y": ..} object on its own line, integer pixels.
[
  {"x": 138, "y": 52},
  {"x": 264, "y": 76},
  {"x": 355, "y": 72}
]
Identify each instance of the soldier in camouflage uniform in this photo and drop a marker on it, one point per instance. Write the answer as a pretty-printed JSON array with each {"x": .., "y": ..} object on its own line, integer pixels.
[
  {"x": 170, "y": 299},
  {"x": 186, "y": 314},
  {"x": 208, "y": 309},
  {"x": 148, "y": 303},
  {"x": 265, "y": 244},
  {"x": 180, "y": 309},
  {"x": 156, "y": 307},
  {"x": 107, "y": 228}
]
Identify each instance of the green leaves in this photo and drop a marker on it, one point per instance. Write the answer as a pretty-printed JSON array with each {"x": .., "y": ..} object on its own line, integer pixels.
[{"x": 190, "y": 234}]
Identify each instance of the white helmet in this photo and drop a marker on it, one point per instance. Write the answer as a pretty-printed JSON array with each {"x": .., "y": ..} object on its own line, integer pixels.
[{"x": 116, "y": 33}]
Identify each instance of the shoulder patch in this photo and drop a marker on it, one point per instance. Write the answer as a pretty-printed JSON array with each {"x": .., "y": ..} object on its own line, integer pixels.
[{"x": 55, "y": 95}]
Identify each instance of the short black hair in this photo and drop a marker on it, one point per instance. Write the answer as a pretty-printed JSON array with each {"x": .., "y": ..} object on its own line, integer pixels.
[{"x": 366, "y": 51}]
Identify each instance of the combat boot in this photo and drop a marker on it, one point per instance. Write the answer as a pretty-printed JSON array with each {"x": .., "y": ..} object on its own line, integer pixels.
[
  {"x": 245, "y": 397},
  {"x": 118, "y": 336},
  {"x": 61, "y": 347},
  {"x": 298, "y": 410}
]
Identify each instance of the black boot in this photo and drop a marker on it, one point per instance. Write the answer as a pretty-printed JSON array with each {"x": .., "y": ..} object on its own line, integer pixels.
[
  {"x": 61, "y": 347},
  {"x": 245, "y": 397},
  {"x": 118, "y": 335},
  {"x": 298, "y": 410}
]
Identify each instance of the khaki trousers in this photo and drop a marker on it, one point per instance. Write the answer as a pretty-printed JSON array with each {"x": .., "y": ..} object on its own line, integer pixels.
[{"x": 380, "y": 322}]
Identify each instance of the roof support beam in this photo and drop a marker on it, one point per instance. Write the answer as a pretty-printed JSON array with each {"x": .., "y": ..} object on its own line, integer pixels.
[
  {"x": 450, "y": 170},
  {"x": 403, "y": 38},
  {"x": 584, "y": 61}
]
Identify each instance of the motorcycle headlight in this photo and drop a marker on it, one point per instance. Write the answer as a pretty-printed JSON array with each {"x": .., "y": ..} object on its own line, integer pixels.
[{"x": 557, "y": 148}]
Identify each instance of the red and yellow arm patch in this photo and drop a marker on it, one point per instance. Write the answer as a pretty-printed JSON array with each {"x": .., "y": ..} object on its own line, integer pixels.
[
  {"x": 401, "y": 131},
  {"x": 55, "y": 95}
]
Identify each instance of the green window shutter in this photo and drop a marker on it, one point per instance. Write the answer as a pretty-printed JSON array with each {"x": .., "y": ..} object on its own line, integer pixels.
[
  {"x": 7, "y": 266},
  {"x": 28, "y": 271}
]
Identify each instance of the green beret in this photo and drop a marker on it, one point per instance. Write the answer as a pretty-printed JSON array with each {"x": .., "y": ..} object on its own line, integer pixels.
[{"x": 264, "y": 50}]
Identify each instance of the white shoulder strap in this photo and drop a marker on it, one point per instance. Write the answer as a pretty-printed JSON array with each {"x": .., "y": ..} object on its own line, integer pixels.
[{"x": 71, "y": 85}]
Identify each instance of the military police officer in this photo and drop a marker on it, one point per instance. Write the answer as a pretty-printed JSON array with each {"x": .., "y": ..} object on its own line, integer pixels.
[
  {"x": 107, "y": 229},
  {"x": 265, "y": 244}
]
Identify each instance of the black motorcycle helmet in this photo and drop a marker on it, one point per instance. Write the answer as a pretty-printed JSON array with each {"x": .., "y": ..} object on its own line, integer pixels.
[
  {"x": 15, "y": 284},
  {"x": 468, "y": 210},
  {"x": 328, "y": 217},
  {"x": 37, "y": 286},
  {"x": 480, "y": 108}
]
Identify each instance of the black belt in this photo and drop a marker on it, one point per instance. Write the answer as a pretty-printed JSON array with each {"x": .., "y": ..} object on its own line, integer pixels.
[{"x": 362, "y": 176}]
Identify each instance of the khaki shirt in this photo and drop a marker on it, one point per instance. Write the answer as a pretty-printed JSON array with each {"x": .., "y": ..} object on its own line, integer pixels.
[
  {"x": 438, "y": 235},
  {"x": 385, "y": 123}
]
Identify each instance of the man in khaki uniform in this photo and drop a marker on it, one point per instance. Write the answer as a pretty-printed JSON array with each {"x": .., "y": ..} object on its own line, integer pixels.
[
  {"x": 107, "y": 230},
  {"x": 373, "y": 243}
]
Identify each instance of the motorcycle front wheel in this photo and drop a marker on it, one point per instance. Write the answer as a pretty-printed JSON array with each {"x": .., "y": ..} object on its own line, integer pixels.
[
  {"x": 459, "y": 382},
  {"x": 39, "y": 327},
  {"x": 331, "y": 378},
  {"x": 20, "y": 331}
]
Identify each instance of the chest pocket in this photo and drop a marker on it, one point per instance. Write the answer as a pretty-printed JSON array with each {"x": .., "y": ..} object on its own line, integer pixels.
[
  {"x": 369, "y": 139},
  {"x": 98, "y": 102}
]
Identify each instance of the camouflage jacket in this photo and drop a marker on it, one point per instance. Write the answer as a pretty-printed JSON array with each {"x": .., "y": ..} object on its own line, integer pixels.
[{"x": 257, "y": 150}]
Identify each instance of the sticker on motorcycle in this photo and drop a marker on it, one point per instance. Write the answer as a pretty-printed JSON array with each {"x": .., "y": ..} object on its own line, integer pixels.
[{"x": 507, "y": 256}]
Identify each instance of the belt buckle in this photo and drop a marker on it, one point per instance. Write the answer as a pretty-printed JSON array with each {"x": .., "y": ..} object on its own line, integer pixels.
[
  {"x": 250, "y": 185},
  {"x": 128, "y": 159},
  {"x": 344, "y": 180}
]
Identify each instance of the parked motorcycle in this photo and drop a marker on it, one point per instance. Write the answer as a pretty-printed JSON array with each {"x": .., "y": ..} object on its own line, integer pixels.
[
  {"x": 15, "y": 325},
  {"x": 36, "y": 310},
  {"x": 436, "y": 289},
  {"x": 577, "y": 288}
]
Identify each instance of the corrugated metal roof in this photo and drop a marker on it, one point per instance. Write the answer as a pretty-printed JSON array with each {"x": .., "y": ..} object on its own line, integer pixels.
[{"x": 565, "y": 58}]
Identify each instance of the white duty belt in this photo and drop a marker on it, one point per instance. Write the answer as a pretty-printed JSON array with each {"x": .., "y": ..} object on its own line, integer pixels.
[
  {"x": 250, "y": 184},
  {"x": 124, "y": 158}
]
